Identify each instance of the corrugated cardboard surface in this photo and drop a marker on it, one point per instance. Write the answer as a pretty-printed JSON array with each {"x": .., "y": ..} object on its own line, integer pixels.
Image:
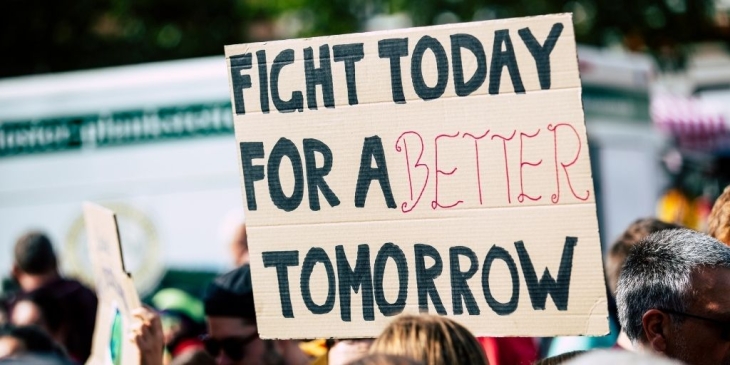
[
  {"x": 115, "y": 288},
  {"x": 534, "y": 187}
]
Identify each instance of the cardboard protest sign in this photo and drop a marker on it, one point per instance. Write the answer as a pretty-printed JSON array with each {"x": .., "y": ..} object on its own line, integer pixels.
[
  {"x": 114, "y": 288},
  {"x": 441, "y": 169}
]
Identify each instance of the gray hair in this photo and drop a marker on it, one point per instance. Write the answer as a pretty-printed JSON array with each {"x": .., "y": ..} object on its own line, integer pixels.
[{"x": 657, "y": 274}]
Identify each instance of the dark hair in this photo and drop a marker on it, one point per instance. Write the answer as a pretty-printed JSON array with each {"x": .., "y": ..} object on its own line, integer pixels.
[
  {"x": 231, "y": 295},
  {"x": 620, "y": 249},
  {"x": 560, "y": 359},
  {"x": 34, "y": 340},
  {"x": 34, "y": 254},
  {"x": 658, "y": 274}
]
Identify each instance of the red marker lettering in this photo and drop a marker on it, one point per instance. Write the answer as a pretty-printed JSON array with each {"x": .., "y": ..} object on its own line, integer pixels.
[
  {"x": 404, "y": 205},
  {"x": 555, "y": 198},
  {"x": 522, "y": 196},
  {"x": 476, "y": 152},
  {"x": 506, "y": 162},
  {"x": 435, "y": 203}
]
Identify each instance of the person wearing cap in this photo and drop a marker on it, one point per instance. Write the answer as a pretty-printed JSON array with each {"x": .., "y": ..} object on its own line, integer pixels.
[
  {"x": 183, "y": 320},
  {"x": 232, "y": 331}
]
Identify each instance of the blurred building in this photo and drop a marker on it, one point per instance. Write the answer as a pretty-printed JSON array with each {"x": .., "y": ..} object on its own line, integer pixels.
[
  {"x": 625, "y": 148},
  {"x": 692, "y": 105}
]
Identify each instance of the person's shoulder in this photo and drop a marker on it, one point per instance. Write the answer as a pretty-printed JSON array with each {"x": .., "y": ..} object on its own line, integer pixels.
[
  {"x": 80, "y": 290},
  {"x": 65, "y": 288}
]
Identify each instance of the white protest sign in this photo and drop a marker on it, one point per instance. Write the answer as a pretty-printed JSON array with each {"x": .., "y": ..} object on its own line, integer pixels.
[
  {"x": 114, "y": 288},
  {"x": 441, "y": 169}
]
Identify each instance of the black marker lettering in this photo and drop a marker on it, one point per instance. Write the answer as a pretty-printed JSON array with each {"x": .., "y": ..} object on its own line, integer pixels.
[
  {"x": 425, "y": 277},
  {"x": 558, "y": 289},
  {"x": 286, "y": 57},
  {"x": 251, "y": 173},
  {"x": 315, "y": 175},
  {"x": 239, "y": 80},
  {"x": 314, "y": 256},
  {"x": 390, "y": 250},
  {"x": 263, "y": 80},
  {"x": 459, "y": 287},
  {"x": 285, "y": 147},
  {"x": 349, "y": 54},
  {"x": 541, "y": 53},
  {"x": 358, "y": 278},
  {"x": 501, "y": 309},
  {"x": 319, "y": 76},
  {"x": 394, "y": 48},
  {"x": 471, "y": 43},
  {"x": 281, "y": 260},
  {"x": 442, "y": 68},
  {"x": 504, "y": 58},
  {"x": 372, "y": 148}
]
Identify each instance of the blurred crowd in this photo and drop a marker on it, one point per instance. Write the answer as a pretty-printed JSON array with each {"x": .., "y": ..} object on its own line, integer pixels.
[{"x": 668, "y": 290}]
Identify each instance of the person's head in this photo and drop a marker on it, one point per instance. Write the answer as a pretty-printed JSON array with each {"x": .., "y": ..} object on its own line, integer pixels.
[
  {"x": 620, "y": 249},
  {"x": 673, "y": 296},
  {"x": 429, "y": 339},
  {"x": 239, "y": 245},
  {"x": 381, "y": 359},
  {"x": 182, "y": 316},
  {"x": 34, "y": 257},
  {"x": 232, "y": 331},
  {"x": 344, "y": 351},
  {"x": 718, "y": 223}
]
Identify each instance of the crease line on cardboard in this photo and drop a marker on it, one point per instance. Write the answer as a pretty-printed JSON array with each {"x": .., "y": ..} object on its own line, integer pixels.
[
  {"x": 455, "y": 214},
  {"x": 418, "y": 100}
]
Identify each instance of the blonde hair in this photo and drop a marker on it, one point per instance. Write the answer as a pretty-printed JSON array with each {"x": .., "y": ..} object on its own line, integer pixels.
[
  {"x": 431, "y": 340},
  {"x": 381, "y": 359},
  {"x": 718, "y": 223}
]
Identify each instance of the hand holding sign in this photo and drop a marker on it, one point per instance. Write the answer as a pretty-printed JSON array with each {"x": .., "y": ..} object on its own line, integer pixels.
[{"x": 146, "y": 333}]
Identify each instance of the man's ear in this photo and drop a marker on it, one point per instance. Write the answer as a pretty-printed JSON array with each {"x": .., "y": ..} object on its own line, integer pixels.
[{"x": 656, "y": 325}]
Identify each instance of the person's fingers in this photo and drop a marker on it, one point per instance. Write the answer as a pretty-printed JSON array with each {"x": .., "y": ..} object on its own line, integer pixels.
[
  {"x": 140, "y": 333},
  {"x": 138, "y": 328},
  {"x": 145, "y": 314},
  {"x": 156, "y": 322}
]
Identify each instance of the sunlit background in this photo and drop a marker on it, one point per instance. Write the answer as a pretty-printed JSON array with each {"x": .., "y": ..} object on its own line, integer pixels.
[{"x": 126, "y": 103}]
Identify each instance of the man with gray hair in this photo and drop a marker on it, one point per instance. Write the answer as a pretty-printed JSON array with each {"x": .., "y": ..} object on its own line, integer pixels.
[{"x": 673, "y": 296}]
